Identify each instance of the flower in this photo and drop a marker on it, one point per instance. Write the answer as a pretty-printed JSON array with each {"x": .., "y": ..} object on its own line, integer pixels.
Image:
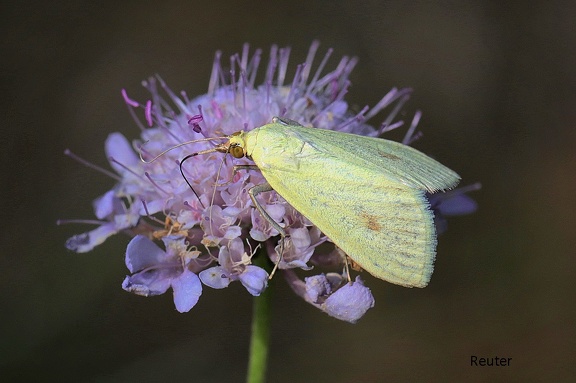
[{"x": 204, "y": 217}]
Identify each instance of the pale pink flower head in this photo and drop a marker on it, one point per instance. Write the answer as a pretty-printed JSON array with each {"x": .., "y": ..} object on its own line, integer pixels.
[{"x": 201, "y": 228}]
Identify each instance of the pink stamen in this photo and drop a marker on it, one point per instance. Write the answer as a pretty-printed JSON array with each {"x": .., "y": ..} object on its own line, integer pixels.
[
  {"x": 216, "y": 109},
  {"x": 195, "y": 119},
  {"x": 148, "y": 113},
  {"x": 128, "y": 100}
]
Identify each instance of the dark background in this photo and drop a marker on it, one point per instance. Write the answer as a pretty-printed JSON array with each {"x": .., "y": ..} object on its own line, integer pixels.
[{"x": 496, "y": 83}]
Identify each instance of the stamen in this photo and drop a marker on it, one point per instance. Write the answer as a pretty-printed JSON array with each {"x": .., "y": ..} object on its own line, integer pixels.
[
  {"x": 407, "y": 140},
  {"x": 283, "y": 65},
  {"x": 383, "y": 103},
  {"x": 268, "y": 100},
  {"x": 337, "y": 98},
  {"x": 387, "y": 128},
  {"x": 69, "y": 153},
  {"x": 215, "y": 74},
  {"x": 148, "y": 113},
  {"x": 154, "y": 183},
  {"x": 397, "y": 108},
  {"x": 85, "y": 221},
  {"x": 157, "y": 101},
  {"x": 175, "y": 99},
  {"x": 309, "y": 60},
  {"x": 357, "y": 118},
  {"x": 314, "y": 81},
  {"x": 294, "y": 87},
  {"x": 253, "y": 67},
  {"x": 272, "y": 64},
  {"x": 244, "y": 58},
  {"x": 112, "y": 159},
  {"x": 195, "y": 120},
  {"x": 185, "y": 96},
  {"x": 128, "y": 100},
  {"x": 244, "y": 80}
]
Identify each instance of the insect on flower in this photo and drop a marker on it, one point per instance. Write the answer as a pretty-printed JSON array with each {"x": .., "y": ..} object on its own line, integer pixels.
[{"x": 325, "y": 178}]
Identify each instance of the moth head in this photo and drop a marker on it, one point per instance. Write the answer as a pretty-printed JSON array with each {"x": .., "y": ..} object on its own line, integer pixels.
[{"x": 237, "y": 145}]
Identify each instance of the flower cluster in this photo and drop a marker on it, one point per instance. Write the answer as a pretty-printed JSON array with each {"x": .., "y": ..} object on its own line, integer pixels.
[{"x": 204, "y": 220}]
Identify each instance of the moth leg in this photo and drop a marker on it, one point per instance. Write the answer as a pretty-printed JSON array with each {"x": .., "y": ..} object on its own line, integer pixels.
[
  {"x": 235, "y": 170},
  {"x": 347, "y": 268},
  {"x": 253, "y": 192}
]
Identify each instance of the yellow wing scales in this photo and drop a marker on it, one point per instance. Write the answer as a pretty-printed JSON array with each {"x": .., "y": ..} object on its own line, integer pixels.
[{"x": 365, "y": 194}]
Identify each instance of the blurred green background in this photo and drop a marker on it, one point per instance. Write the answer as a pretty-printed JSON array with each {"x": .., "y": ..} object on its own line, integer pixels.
[{"x": 496, "y": 82}]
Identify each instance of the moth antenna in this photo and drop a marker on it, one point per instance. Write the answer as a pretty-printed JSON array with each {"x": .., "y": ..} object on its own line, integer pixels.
[
  {"x": 186, "y": 179},
  {"x": 179, "y": 145}
]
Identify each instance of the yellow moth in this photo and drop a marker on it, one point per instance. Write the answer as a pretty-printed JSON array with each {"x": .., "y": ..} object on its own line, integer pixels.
[{"x": 366, "y": 194}]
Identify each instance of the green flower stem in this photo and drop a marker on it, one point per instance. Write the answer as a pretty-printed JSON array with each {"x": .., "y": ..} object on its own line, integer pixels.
[{"x": 260, "y": 338}]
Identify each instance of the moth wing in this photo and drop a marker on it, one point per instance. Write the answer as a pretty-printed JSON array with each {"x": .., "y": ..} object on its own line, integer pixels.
[
  {"x": 383, "y": 225},
  {"x": 399, "y": 162},
  {"x": 376, "y": 216}
]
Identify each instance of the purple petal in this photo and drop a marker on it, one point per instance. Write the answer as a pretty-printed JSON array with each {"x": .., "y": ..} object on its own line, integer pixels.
[
  {"x": 82, "y": 243},
  {"x": 350, "y": 302},
  {"x": 149, "y": 282},
  {"x": 118, "y": 147},
  {"x": 187, "y": 290},
  {"x": 300, "y": 238},
  {"x": 458, "y": 205},
  {"x": 233, "y": 232},
  {"x": 255, "y": 279},
  {"x": 125, "y": 221},
  {"x": 104, "y": 205},
  {"x": 215, "y": 277},
  {"x": 317, "y": 286},
  {"x": 142, "y": 253}
]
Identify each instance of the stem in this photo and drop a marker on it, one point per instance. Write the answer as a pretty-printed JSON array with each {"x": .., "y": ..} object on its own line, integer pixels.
[{"x": 259, "y": 340}]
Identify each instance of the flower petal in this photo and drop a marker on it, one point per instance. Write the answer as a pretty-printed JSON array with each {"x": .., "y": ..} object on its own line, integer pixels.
[
  {"x": 317, "y": 286},
  {"x": 255, "y": 279},
  {"x": 457, "y": 205},
  {"x": 118, "y": 147},
  {"x": 150, "y": 282},
  {"x": 142, "y": 253},
  {"x": 82, "y": 243},
  {"x": 350, "y": 302},
  {"x": 215, "y": 277},
  {"x": 104, "y": 205},
  {"x": 187, "y": 290}
]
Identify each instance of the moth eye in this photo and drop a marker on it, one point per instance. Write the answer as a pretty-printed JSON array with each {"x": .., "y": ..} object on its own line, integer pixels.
[{"x": 237, "y": 151}]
